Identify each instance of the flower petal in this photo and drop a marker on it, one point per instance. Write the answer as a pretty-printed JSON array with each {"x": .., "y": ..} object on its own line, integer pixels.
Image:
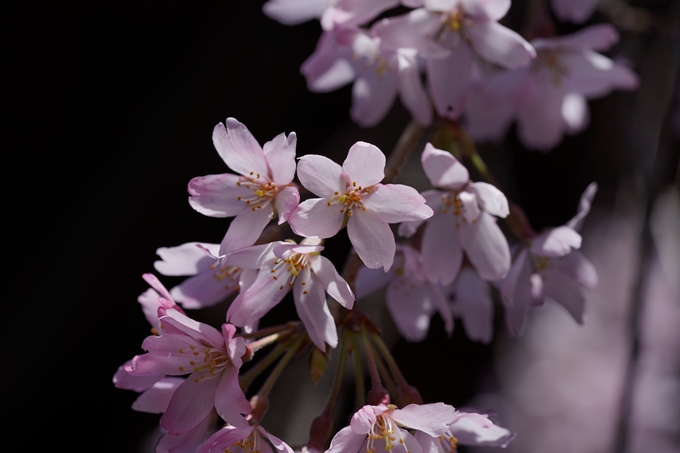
[
  {"x": 428, "y": 418},
  {"x": 293, "y": 12},
  {"x": 369, "y": 281},
  {"x": 321, "y": 176},
  {"x": 567, "y": 292},
  {"x": 441, "y": 249},
  {"x": 224, "y": 438},
  {"x": 314, "y": 218},
  {"x": 584, "y": 205},
  {"x": 372, "y": 239},
  {"x": 310, "y": 303},
  {"x": 276, "y": 442},
  {"x": 156, "y": 399},
  {"x": 473, "y": 303},
  {"x": 185, "y": 259},
  {"x": 246, "y": 228},
  {"x": 190, "y": 404},
  {"x": 217, "y": 195},
  {"x": 500, "y": 45},
  {"x": 478, "y": 431},
  {"x": 516, "y": 293},
  {"x": 490, "y": 199},
  {"x": 188, "y": 441},
  {"x": 332, "y": 282},
  {"x": 577, "y": 267},
  {"x": 442, "y": 169},
  {"x": 286, "y": 201},
  {"x": 373, "y": 94},
  {"x": 363, "y": 420},
  {"x": 265, "y": 292},
  {"x": 205, "y": 290},
  {"x": 252, "y": 257},
  {"x": 329, "y": 67},
  {"x": 230, "y": 401},
  {"x": 410, "y": 307},
  {"x": 364, "y": 165},
  {"x": 556, "y": 242},
  {"x": 346, "y": 441},
  {"x": 411, "y": 90},
  {"x": 397, "y": 203},
  {"x": 280, "y": 156},
  {"x": 486, "y": 247},
  {"x": 488, "y": 9},
  {"x": 238, "y": 148},
  {"x": 449, "y": 79}
]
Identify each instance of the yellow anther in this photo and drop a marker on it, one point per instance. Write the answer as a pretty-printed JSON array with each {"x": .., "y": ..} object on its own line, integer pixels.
[
  {"x": 181, "y": 368},
  {"x": 259, "y": 192}
]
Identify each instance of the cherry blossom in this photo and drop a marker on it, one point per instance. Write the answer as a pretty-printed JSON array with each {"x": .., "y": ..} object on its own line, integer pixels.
[
  {"x": 473, "y": 304},
  {"x": 411, "y": 299},
  {"x": 212, "y": 360},
  {"x": 551, "y": 267},
  {"x": 353, "y": 194},
  {"x": 548, "y": 99},
  {"x": 284, "y": 266},
  {"x": 381, "y": 427},
  {"x": 243, "y": 438},
  {"x": 576, "y": 11},
  {"x": 263, "y": 188},
  {"x": 463, "y": 222}
]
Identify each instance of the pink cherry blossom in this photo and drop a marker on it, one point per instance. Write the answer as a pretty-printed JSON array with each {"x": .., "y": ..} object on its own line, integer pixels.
[
  {"x": 212, "y": 360},
  {"x": 468, "y": 428},
  {"x": 411, "y": 299},
  {"x": 450, "y": 33},
  {"x": 211, "y": 281},
  {"x": 243, "y": 438},
  {"x": 463, "y": 222},
  {"x": 548, "y": 99},
  {"x": 284, "y": 266},
  {"x": 552, "y": 268},
  {"x": 577, "y": 11},
  {"x": 353, "y": 194},
  {"x": 263, "y": 188},
  {"x": 378, "y": 428}
]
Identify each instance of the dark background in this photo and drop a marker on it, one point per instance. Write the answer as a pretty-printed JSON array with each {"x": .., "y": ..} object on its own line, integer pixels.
[{"x": 115, "y": 103}]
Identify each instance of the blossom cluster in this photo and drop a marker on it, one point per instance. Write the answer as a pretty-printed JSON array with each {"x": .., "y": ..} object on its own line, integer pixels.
[{"x": 475, "y": 68}]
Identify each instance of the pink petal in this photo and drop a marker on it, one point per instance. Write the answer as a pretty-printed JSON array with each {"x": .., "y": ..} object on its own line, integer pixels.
[
  {"x": 410, "y": 307},
  {"x": 369, "y": 281},
  {"x": 204, "y": 290},
  {"x": 473, "y": 303},
  {"x": 471, "y": 211},
  {"x": 516, "y": 293},
  {"x": 411, "y": 31},
  {"x": 153, "y": 281},
  {"x": 346, "y": 441},
  {"x": 361, "y": 12},
  {"x": 411, "y": 90},
  {"x": 329, "y": 67},
  {"x": 230, "y": 401},
  {"x": 286, "y": 201},
  {"x": 373, "y": 94},
  {"x": 595, "y": 37},
  {"x": 314, "y": 218},
  {"x": 397, "y": 203},
  {"x": 332, "y": 282},
  {"x": 442, "y": 169},
  {"x": 490, "y": 199},
  {"x": 486, "y": 247},
  {"x": 185, "y": 259},
  {"x": 539, "y": 117},
  {"x": 246, "y": 228},
  {"x": 500, "y": 45},
  {"x": 281, "y": 249},
  {"x": 576, "y": 11},
  {"x": 239, "y": 149},
  {"x": 123, "y": 379},
  {"x": 488, "y": 9},
  {"x": 176, "y": 322},
  {"x": 441, "y": 249},
  {"x": 477, "y": 430},
  {"x": 149, "y": 302},
  {"x": 428, "y": 418},
  {"x": 252, "y": 257},
  {"x": 217, "y": 195},
  {"x": 280, "y": 156},
  {"x": 363, "y": 420},
  {"x": 575, "y": 112},
  {"x": 364, "y": 165},
  {"x": 224, "y": 438},
  {"x": 567, "y": 292},
  {"x": 576, "y": 267},
  {"x": 321, "y": 176},
  {"x": 442, "y": 305},
  {"x": 310, "y": 303},
  {"x": 190, "y": 404},
  {"x": 556, "y": 242},
  {"x": 276, "y": 442},
  {"x": 372, "y": 239},
  {"x": 188, "y": 441},
  {"x": 236, "y": 347},
  {"x": 449, "y": 79},
  {"x": 155, "y": 400},
  {"x": 293, "y": 12},
  {"x": 584, "y": 205},
  {"x": 262, "y": 296},
  {"x": 594, "y": 75},
  {"x": 433, "y": 198}
]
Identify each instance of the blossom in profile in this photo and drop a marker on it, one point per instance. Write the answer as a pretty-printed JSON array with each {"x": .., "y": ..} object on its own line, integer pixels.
[
  {"x": 243, "y": 438},
  {"x": 463, "y": 223},
  {"x": 385, "y": 428},
  {"x": 549, "y": 98},
  {"x": 576, "y": 11},
  {"x": 411, "y": 299},
  {"x": 262, "y": 188},
  {"x": 210, "y": 359},
  {"x": 284, "y": 266},
  {"x": 352, "y": 195},
  {"x": 551, "y": 268}
]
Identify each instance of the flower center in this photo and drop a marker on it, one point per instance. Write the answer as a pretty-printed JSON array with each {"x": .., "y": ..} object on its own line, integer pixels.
[
  {"x": 230, "y": 273},
  {"x": 547, "y": 59},
  {"x": 454, "y": 27},
  {"x": 250, "y": 444},
  {"x": 386, "y": 430},
  {"x": 293, "y": 265},
  {"x": 210, "y": 361},
  {"x": 263, "y": 190},
  {"x": 350, "y": 199},
  {"x": 448, "y": 443}
]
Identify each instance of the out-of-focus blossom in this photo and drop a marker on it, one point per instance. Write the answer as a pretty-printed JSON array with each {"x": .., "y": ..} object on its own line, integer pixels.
[
  {"x": 463, "y": 222},
  {"x": 378, "y": 428},
  {"x": 577, "y": 11},
  {"x": 353, "y": 194},
  {"x": 212, "y": 360},
  {"x": 551, "y": 267},
  {"x": 473, "y": 304},
  {"x": 243, "y": 438},
  {"x": 548, "y": 99},
  {"x": 469, "y": 428},
  {"x": 211, "y": 281},
  {"x": 263, "y": 188},
  {"x": 332, "y": 13},
  {"x": 450, "y": 33},
  {"x": 411, "y": 299},
  {"x": 284, "y": 266}
]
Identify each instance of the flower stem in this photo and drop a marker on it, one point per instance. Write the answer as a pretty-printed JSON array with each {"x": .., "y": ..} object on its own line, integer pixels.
[
  {"x": 292, "y": 347},
  {"x": 247, "y": 378},
  {"x": 358, "y": 373},
  {"x": 289, "y": 326},
  {"x": 391, "y": 363},
  {"x": 407, "y": 143}
]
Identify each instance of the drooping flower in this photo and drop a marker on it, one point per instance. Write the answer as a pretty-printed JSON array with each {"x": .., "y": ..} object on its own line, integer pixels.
[
  {"x": 411, "y": 299},
  {"x": 548, "y": 99},
  {"x": 353, "y": 194},
  {"x": 463, "y": 222},
  {"x": 263, "y": 188},
  {"x": 468, "y": 428},
  {"x": 385, "y": 428},
  {"x": 284, "y": 266},
  {"x": 552, "y": 268},
  {"x": 212, "y": 360},
  {"x": 243, "y": 438}
]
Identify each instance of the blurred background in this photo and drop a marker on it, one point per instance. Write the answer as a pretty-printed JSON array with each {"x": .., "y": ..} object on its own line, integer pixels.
[{"x": 116, "y": 102}]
